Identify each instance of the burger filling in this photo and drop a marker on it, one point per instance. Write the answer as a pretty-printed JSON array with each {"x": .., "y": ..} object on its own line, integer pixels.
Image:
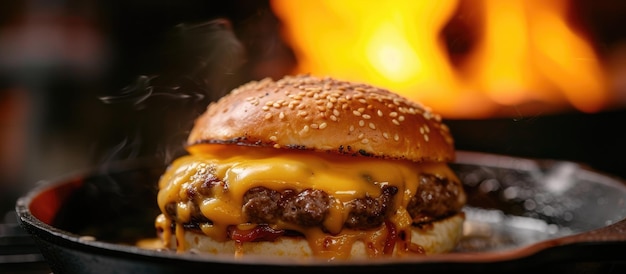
[{"x": 255, "y": 194}]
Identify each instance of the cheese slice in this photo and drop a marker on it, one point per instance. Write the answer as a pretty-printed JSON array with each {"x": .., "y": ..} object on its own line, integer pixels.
[{"x": 344, "y": 178}]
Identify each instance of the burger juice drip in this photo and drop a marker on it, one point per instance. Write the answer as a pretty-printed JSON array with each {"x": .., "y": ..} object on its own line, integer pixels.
[{"x": 208, "y": 188}]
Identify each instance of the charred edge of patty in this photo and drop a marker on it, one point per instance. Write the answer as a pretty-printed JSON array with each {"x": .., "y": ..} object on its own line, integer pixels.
[{"x": 436, "y": 199}]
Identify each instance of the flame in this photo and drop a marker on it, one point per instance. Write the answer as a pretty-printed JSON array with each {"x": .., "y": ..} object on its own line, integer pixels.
[{"x": 526, "y": 53}]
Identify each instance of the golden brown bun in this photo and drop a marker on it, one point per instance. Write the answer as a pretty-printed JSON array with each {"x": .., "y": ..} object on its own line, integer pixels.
[
  {"x": 324, "y": 114},
  {"x": 440, "y": 237}
]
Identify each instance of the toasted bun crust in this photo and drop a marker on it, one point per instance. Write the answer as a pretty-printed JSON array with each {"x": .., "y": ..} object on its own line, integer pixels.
[
  {"x": 328, "y": 115},
  {"x": 440, "y": 237}
]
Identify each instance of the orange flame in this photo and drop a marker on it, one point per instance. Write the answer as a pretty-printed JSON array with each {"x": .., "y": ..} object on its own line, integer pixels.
[{"x": 527, "y": 53}]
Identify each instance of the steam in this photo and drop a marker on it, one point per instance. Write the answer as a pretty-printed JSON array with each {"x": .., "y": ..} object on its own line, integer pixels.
[
  {"x": 197, "y": 58},
  {"x": 198, "y": 64},
  {"x": 143, "y": 89},
  {"x": 213, "y": 53},
  {"x": 129, "y": 146}
]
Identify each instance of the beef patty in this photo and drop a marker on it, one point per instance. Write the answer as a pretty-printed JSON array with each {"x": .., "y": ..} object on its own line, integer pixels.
[{"x": 436, "y": 198}]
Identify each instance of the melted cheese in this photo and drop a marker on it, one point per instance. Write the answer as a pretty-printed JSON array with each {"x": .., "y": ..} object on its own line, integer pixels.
[{"x": 343, "y": 178}]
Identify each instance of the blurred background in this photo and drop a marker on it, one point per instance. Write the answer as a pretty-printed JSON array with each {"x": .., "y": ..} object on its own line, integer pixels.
[{"x": 85, "y": 83}]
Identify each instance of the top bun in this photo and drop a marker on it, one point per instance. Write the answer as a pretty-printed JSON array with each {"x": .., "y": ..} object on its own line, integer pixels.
[{"x": 327, "y": 115}]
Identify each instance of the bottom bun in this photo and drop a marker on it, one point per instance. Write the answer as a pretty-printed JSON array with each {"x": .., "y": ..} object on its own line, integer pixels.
[{"x": 438, "y": 237}]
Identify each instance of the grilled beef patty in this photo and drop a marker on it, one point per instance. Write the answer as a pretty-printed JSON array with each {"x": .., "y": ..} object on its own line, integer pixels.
[{"x": 436, "y": 198}]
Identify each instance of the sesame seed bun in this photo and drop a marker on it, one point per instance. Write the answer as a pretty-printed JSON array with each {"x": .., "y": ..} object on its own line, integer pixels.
[
  {"x": 267, "y": 174},
  {"x": 324, "y": 114}
]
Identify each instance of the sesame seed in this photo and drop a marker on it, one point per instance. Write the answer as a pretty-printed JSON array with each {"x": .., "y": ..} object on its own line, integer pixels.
[
  {"x": 366, "y": 116},
  {"x": 266, "y": 108},
  {"x": 386, "y": 135},
  {"x": 422, "y": 130},
  {"x": 401, "y": 118},
  {"x": 333, "y": 118},
  {"x": 268, "y": 115},
  {"x": 336, "y": 112},
  {"x": 363, "y": 101},
  {"x": 304, "y": 130},
  {"x": 301, "y": 113},
  {"x": 329, "y": 105},
  {"x": 380, "y": 113},
  {"x": 281, "y": 115},
  {"x": 323, "y": 125},
  {"x": 395, "y": 122},
  {"x": 314, "y": 89},
  {"x": 396, "y": 137},
  {"x": 351, "y": 128},
  {"x": 276, "y": 105},
  {"x": 273, "y": 138},
  {"x": 276, "y": 146},
  {"x": 361, "y": 123},
  {"x": 356, "y": 113},
  {"x": 372, "y": 126},
  {"x": 315, "y": 126},
  {"x": 365, "y": 141},
  {"x": 426, "y": 137},
  {"x": 393, "y": 114},
  {"x": 361, "y": 136}
]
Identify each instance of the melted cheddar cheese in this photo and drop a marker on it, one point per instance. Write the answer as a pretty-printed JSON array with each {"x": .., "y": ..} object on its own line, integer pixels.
[{"x": 242, "y": 168}]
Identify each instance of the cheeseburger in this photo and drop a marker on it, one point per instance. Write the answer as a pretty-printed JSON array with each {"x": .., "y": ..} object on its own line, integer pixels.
[{"x": 313, "y": 167}]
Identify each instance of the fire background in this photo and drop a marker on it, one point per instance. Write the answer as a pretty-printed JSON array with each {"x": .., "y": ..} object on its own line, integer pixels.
[{"x": 85, "y": 83}]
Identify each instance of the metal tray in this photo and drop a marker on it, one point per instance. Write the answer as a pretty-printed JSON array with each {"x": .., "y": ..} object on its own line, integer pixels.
[{"x": 522, "y": 215}]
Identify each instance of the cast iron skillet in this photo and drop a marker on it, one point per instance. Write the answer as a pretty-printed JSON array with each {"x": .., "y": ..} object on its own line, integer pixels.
[{"x": 523, "y": 215}]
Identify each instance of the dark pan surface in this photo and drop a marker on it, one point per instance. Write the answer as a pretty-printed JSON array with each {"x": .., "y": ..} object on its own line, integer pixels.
[{"x": 523, "y": 215}]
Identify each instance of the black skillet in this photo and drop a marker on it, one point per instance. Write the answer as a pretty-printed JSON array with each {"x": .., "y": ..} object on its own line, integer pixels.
[{"x": 523, "y": 215}]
